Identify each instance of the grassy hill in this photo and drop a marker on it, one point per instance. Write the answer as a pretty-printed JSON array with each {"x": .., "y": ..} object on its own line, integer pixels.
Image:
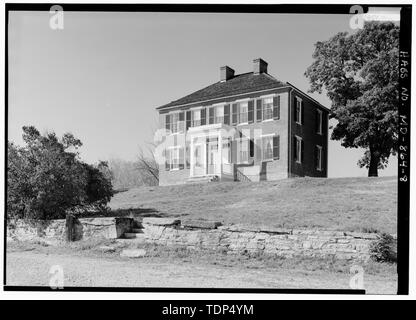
[{"x": 349, "y": 204}]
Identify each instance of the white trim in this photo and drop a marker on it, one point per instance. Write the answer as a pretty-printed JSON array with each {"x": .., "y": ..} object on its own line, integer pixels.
[
  {"x": 320, "y": 122},
  {"x": 268, "y": 135},
  {"x": 300, "y": 109},
  {"x": 299, "y": 156},
  {"x": 271, "y": 95},
  {"x": 268, "y": 120},
  {"x": 320, "y": 168},
  {"x": 243, "y": 100}
]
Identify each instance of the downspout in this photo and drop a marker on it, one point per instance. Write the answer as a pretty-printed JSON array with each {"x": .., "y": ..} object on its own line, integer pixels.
[{"x": 289, "y": 153}]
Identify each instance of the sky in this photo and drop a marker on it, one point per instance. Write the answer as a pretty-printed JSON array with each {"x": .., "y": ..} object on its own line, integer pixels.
[{"x": 102, "y": 76}]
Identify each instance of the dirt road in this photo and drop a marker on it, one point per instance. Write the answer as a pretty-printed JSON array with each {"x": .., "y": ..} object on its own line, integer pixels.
[{"x": 32, "y": 268}]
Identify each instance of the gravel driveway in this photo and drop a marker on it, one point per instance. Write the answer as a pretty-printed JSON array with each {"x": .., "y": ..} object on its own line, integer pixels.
[{"x": 32, "y": 268}]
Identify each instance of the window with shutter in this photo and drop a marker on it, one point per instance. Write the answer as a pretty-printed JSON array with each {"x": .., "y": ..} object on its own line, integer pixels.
[
  {"x": 267, "y": 148},
  {"x": 267, "y": 108},
  {"x": 243, "y": 112},
  {"x": 298, "y": 111},
  {"x": 318, "y": 158},
  {"x": 318, "y": 121},
  {"x": 196, "y": 118},
  {"x": 298, "y": 149}
]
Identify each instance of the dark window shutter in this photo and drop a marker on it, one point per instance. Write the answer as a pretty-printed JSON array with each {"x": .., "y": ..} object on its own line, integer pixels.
[
  {"x": 259, "y": 111},
  {"x": 167, "y": 160},
  {"x": 316, "y": 157},
  {"x": 295, "y": 153},
  {"x": 250, "y": 111},
  {"x": 167, "y": 122},
  {"x": 302, "y": 113},
  {"x": 234, "y": 118},
  {"x": 203, "y": 116},
  {"x": 276, "y": 107},
  {"x": 227, "y": 114},
  {"x": 181, "y": 158},
  {"x": 302, "y": 151},
  {"x": 276, "y": 147},
  {"x": 259, "y": 149},
  {"x": 251, "y": 146},
  {"x": 188, "y": 119},
  {"x": 181, "y": 121},
  {"x": 211, "y": 112}
]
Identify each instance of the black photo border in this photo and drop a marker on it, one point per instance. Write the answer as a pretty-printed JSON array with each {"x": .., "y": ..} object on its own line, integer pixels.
[{"x": 404, "y": 132}]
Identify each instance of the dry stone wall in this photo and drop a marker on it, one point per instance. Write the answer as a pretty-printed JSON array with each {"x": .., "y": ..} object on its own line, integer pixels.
[
  {"x": 254, "y": 241},
  {"x": 54, "y": 231}
]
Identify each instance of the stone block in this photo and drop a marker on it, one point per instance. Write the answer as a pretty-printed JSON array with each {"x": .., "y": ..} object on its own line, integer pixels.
[{"x": 161, "y": 221}]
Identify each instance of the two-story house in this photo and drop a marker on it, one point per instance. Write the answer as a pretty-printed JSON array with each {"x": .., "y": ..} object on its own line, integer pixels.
[{"x": 249, "y": 126}]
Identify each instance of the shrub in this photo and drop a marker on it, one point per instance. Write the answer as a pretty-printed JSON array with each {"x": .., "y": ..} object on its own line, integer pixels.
[
  {"x": 384, "y": 249},
  {"x": 46, "y": 178}
]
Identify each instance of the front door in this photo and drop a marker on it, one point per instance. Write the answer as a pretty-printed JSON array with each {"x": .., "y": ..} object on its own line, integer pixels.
[
  {"x": 212, "y": 154},
  {"x": 198, "y": 160}
]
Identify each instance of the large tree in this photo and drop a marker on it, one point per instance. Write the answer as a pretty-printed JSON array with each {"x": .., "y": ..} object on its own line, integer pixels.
[
  {"x": 46, "y": 179},
  {"x": 359, "y": 72}
]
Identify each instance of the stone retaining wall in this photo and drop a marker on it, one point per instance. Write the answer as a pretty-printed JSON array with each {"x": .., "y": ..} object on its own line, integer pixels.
[
  {"x": 54, "y": 231},
  {"x": 269, "y": 241}
]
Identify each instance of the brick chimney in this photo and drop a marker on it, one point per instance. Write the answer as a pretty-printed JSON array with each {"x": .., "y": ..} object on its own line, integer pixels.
[
  {"x": 226, "y": 73},
  {"x": 259, "y": 66}
]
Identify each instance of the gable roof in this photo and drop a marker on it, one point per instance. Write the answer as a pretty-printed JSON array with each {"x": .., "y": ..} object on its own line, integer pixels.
[{"x": 239, "y": 84}]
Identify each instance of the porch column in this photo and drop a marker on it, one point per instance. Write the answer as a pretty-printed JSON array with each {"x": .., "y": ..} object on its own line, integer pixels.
[
  {"x": 219, "y": 156},
  {"x": 191, "y": 158}
]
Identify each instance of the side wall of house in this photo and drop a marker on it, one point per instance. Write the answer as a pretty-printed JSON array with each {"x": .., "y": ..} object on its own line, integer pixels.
[
  {"x": 274, "y": 169},
  {"x": 310, "y": 138}
]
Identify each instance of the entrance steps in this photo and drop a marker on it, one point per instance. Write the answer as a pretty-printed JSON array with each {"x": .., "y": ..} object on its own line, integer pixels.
[{"x": 203, "y": 179}]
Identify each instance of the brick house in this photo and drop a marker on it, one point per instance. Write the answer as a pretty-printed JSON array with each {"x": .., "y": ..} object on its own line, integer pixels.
[{"x": 249, "y": 126}]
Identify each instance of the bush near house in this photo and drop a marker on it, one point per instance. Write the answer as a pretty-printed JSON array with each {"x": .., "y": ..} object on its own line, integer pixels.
[{"x": 46, "y": 179}]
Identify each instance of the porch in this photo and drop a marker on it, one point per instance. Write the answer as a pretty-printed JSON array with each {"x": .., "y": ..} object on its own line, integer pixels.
[{"x": 211, "y": 152}]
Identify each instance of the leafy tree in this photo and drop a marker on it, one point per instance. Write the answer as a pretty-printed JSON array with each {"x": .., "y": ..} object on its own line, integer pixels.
[
  {"x": 47, "y": 180},
  {"x": 359, "y": 71}
]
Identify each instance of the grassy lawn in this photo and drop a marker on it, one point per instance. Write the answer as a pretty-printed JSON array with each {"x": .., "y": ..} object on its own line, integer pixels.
[{"x": 349, "y": 204}]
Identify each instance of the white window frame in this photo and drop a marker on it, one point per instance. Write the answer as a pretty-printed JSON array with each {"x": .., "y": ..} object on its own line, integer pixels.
[
  {"x": 262, "y": 146},
  {"x": 179, "y": 129},
  {"x": 239, "y": 103},
  {"x": 176, "y": 149},
  {"x": 299, "y": 105},
  {"x": 320, "y": 121},
  {"x": 298, "y": 149},
  {"x": 193, "y": 117},
  {"x": 240, "y": 149},
  {"x": 319, "y": 167},
  {"x": 263, "y": 108}
]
